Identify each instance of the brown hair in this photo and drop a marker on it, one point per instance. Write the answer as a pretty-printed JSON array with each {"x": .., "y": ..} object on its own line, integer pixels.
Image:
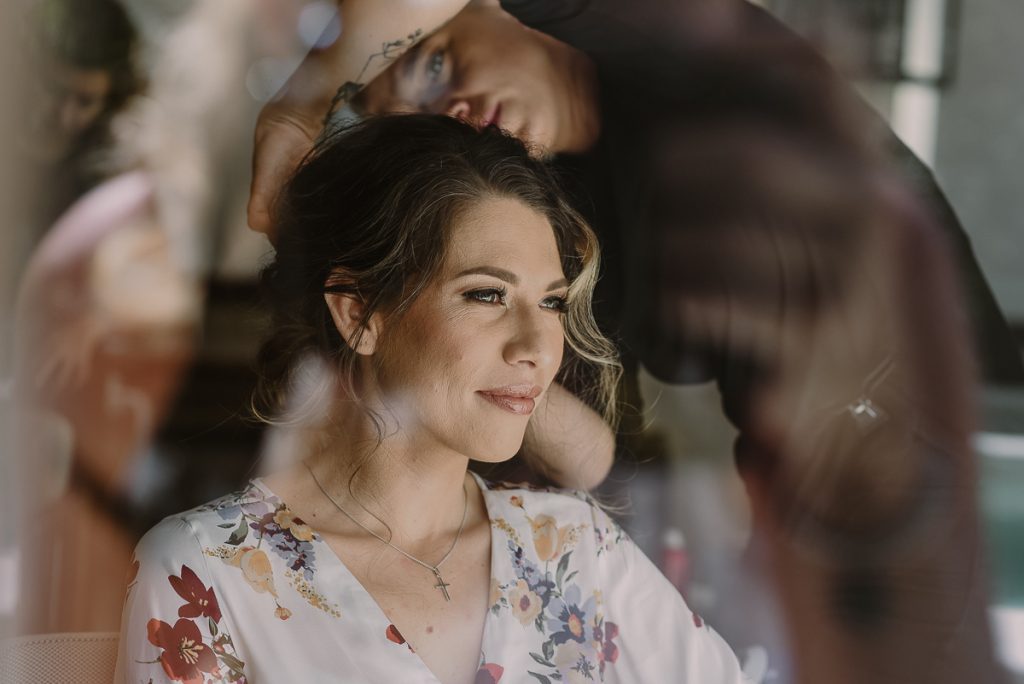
[{"x": 369, "y": 212}]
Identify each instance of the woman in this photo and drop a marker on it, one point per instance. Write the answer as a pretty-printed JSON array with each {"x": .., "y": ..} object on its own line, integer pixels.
[{"x": 441, "y": 276}]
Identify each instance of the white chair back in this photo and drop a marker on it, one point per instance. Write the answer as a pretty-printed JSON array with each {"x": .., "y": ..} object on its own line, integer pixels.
[{"x": 82, "y": 657}]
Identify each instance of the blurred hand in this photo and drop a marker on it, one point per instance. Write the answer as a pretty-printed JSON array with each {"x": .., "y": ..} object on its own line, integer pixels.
[
  {"x": 567, "y": 442},
  {"x": 67, "y": 362},
  {"x": 284, "y": 135}
]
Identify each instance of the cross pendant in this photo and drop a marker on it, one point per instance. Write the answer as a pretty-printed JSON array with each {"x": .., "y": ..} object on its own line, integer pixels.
[
  {"x": 864, "y": 409},
  {"x": 867, "y": 415},
  {"x": 442, "y": 586}
]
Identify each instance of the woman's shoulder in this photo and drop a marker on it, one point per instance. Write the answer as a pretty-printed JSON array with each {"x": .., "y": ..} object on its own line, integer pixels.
[
  {"x": 541, "y": 506},
  {"x": 228, "y": 514},
  {"x": 514, "y": 492}
]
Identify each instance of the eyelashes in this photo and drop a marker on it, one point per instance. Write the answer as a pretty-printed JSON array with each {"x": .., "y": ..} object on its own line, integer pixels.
[
  {"x": 556, "y": 303},
  {"x": 490, "y": 295},
  {"x": 498, "y": 296}
]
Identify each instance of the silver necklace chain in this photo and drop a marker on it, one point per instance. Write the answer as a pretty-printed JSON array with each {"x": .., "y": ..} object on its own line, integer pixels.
[{"x": 435, "y": 569}]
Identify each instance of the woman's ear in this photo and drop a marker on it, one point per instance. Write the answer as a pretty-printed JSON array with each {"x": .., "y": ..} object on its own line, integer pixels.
[{"x": 347, "y": 311}]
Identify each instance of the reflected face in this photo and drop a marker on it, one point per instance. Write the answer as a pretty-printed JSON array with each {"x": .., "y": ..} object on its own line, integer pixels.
[
  {"x": 487, "y": 68},
  {"x": 71, "y": 101},
  {"x": 465, "y": 366}
]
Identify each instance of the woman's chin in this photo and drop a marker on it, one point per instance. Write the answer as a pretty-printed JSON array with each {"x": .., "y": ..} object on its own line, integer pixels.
[{"x": 497, "y": 451}]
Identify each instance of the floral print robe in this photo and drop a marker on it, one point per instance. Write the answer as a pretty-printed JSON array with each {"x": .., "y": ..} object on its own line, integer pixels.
[{"x": 241, "y": 590}]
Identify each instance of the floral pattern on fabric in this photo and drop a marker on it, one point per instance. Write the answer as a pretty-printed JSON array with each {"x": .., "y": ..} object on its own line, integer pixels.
[
  {"x": 489, "y": 673},
  {"x": 201, "y": 600},
  {"x": 570, "y": 599},
  {"x": 275, "y": 527},
  {"x": 577, "y": 642},
  {"x": 394, "y": 635},
  {"x": 185, "y": 656},
  {"x": 608, "y": 536}
]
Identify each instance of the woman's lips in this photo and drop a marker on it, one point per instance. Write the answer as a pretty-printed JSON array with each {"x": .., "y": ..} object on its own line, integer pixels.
[{"x": 517, "y": 400}]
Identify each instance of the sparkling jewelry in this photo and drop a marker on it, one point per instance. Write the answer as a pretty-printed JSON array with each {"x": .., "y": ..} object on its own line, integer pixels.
[
  {"x": 436, "y": 569},
  {"x": 865, "y": 412}
]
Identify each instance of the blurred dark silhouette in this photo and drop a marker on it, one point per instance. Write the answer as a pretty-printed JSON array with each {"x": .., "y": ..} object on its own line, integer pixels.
[{"x": 85, "y": 51}]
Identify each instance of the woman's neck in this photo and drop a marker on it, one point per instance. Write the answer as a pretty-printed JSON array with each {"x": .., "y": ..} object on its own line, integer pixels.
[
  {"x": 419, "y": 491},
  {"x": 583, "y": 126}
]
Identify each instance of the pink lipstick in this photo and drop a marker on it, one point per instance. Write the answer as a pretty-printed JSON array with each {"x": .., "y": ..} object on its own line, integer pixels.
[
  {"x": 493, "y": 117},
  {"x": 517, "y": 399}
]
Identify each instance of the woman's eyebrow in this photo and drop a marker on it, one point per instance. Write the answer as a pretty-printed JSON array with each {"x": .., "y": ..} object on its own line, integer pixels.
[
  {"x": 499, "y": 273},
  {"x": 561, "y": 282},
  {"x": 507, "y": 276}
]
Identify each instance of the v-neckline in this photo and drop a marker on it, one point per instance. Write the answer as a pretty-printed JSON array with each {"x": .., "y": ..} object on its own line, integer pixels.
[{"x": 367, "y": 598}]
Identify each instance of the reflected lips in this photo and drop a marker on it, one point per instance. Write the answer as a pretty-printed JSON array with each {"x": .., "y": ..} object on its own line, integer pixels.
[
  {"x": 517, "y": 399},
  {"x": 493, "y": 117}
]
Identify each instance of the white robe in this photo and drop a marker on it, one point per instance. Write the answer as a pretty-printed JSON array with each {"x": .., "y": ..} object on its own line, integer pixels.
[{"x": 239, "y": 590}]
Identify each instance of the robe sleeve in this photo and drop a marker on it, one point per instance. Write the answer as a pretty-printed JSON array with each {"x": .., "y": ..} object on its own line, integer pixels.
[
  {"x": 661, "y": 638},
  {"x": 172, "y": 626}
]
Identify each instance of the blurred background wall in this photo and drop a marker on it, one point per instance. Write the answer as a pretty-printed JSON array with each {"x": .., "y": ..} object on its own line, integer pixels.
[{"x": 980, "y": 143}]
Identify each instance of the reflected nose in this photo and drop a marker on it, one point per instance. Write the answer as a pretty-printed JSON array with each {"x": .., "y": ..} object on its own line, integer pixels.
[{"x": 459, "y": 109}]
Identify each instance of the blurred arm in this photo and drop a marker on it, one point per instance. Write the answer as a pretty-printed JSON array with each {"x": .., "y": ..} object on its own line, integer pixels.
[{"x": 569, "y": 442}]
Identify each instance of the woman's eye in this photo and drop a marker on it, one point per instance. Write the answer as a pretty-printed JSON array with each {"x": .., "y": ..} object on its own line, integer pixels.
[
  {"x": 558, "y": 303},
  {"x": 488, "y": 296},
  {"x": 435, "y": 64}
]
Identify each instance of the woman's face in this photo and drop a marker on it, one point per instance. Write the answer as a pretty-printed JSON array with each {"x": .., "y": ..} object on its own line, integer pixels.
[{"x": 465, "y": 366}]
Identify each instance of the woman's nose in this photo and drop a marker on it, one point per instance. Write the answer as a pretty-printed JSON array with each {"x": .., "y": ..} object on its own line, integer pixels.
[{"x": 534, "y": 341}]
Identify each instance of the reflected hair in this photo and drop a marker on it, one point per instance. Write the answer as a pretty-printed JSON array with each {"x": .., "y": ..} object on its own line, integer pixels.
[{"x": 370, "y": 211}]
